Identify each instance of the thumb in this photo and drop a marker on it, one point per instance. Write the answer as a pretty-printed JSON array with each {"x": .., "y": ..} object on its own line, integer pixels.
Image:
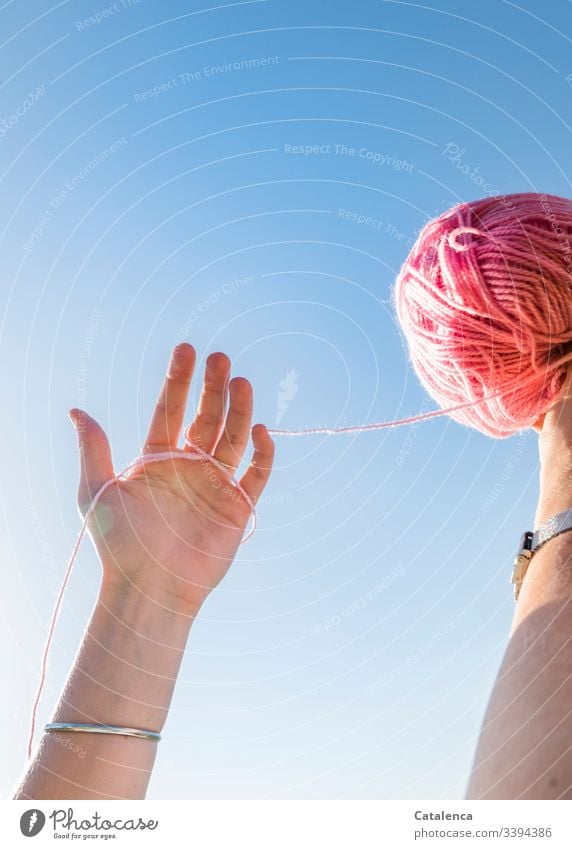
[{"x": 95, "y": 456}]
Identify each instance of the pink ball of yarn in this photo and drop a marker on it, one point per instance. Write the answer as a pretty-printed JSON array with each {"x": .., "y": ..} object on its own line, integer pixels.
[{"x": 485, "y": 302}]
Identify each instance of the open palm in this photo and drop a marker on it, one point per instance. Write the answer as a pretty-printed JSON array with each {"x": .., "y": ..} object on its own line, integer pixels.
[{"x": 172, "y": 528}]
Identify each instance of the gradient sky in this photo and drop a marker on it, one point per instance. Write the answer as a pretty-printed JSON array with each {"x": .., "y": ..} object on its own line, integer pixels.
[{"x": 152, "y": 192}]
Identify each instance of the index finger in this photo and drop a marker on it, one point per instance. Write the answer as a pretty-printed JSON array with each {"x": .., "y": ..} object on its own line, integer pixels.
[{"x": 169, "y": 413}]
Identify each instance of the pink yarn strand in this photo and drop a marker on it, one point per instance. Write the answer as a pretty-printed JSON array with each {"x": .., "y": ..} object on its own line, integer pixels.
[
  {"x": 199, "y": 454},
  {"x": 335, "y": 431}
]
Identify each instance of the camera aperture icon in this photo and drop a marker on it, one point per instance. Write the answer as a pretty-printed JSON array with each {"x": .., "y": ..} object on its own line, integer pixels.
[{"x": 32, "y": 822}]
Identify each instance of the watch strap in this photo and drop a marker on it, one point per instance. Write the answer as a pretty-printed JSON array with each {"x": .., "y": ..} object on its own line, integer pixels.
[
  {"x": 531, "y": 541},
  {"x": 553, "y": 526}
]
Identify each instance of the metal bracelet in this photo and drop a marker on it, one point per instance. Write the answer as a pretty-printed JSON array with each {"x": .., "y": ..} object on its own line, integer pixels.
[
  {"x": 102, "y": 729},
  {"x": 532, "y": 541},
  {"x": 552, "y": 527}
]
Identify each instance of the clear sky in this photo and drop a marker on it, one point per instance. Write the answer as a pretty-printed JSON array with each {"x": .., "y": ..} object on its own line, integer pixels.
[{"x": 175, "y": 171}]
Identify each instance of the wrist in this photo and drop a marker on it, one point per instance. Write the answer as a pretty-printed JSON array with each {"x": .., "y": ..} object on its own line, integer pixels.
[
  {"x": 124, "y": 593},
  {"x": 151, "y": 613},
  {"x": 129, "y": 662},
  {"x": 555, "y": 497}
]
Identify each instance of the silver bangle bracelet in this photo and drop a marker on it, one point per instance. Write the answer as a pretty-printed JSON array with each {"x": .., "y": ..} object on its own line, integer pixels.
[{"x": 102, "y": 729}]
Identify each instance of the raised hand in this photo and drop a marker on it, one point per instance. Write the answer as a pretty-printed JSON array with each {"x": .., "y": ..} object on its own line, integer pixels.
[{"x": 172, "y": 528}]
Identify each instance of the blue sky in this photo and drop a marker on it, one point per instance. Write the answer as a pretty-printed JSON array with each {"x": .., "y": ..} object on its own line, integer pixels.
[{"x": 172, "y": 171}]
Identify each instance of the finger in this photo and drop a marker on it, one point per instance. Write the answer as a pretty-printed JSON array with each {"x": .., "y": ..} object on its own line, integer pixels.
[
  {"x": 95, "y": 456},
  {"x": 169, "y": 412},
  {"x": 256, "y": 476},
  {"x": 232, "y": 444},
  {"x": 207, "y": 425}
]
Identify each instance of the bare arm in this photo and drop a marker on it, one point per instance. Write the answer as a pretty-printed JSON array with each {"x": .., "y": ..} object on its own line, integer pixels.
[
  {"x": 166, "y": 537},
  {"x": 124, "y": 674},
  {"x": 525, "y": 747}
]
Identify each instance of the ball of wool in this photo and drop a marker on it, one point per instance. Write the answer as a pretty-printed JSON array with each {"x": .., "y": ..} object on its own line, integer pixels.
[{"x": 484, "y": 300}]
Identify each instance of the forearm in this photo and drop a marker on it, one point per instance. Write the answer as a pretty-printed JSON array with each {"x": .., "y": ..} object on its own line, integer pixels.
[
  {"x": 525, "y": 746},
  {"x": 124, "y": 674}
]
